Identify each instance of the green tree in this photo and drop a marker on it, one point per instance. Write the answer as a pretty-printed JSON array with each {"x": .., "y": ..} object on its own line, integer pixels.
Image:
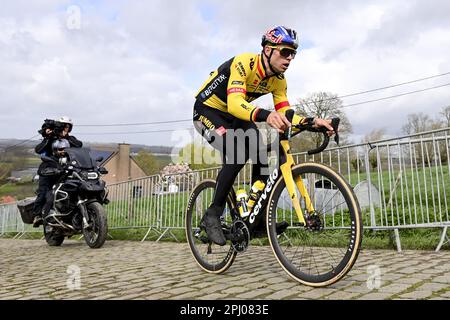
[
  {"x": 148, "y": 162},
  {"x": 5, "y": 170},
  {"x": 199, "y": 156}
]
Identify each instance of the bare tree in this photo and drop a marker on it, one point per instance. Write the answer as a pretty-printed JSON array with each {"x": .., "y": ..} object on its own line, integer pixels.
[
  {"x": 324, "y": 105},
  {"x": 375, "y": 135},
  {"x": 420, "y": 122},
  {"x": 446, "y": 115}
]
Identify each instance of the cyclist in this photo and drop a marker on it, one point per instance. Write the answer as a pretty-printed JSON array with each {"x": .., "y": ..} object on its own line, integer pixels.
[{"x": 223, "y": 105}]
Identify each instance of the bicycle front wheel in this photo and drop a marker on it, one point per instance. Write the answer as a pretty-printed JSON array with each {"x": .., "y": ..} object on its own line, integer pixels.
[
  {"x": 209, "y": 256},
  {"x": 324, "y": 250}
]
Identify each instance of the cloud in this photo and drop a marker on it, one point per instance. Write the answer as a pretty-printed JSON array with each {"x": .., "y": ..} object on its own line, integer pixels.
[
  {"x": 100, "y": 73},
  {"x": 143, "y": 61}
]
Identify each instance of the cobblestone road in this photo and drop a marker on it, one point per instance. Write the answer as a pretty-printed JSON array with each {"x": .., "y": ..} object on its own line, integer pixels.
[{"x": 29, "y": 269}]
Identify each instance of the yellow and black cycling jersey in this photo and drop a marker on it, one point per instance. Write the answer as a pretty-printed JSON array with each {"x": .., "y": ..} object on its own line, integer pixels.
[{"x": 239, "y": 81}]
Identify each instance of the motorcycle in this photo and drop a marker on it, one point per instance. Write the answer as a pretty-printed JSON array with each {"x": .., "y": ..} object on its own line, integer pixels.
[{"x": 77, "y": 200}]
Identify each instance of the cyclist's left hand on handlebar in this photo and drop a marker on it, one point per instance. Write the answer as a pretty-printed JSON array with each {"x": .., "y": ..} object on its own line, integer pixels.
[
  {"x": 278, "y": 121},
  {"x": 324, "y": 123}
]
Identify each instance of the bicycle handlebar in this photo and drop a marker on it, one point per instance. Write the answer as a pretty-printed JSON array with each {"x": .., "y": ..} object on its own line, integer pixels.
[{"x": 308, "y": 127}]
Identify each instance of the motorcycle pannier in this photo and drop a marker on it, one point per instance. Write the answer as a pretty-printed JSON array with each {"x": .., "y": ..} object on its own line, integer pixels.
[{"x": 26, "y": 210}]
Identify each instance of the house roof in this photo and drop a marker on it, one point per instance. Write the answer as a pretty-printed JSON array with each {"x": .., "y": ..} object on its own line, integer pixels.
[
  {"x": 108, "y": 155},
  {"x": 101, "y": 153}
]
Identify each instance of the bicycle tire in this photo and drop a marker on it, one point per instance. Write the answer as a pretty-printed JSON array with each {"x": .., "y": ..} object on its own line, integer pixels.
[
  {"x": 344, "y": 242},
  {"x": 228, "y": 254}
]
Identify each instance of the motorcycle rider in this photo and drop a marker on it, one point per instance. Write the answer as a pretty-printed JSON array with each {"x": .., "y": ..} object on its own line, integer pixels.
[
  {"x": 51, "y": 131},
  {"x": 53, "y": 169}
]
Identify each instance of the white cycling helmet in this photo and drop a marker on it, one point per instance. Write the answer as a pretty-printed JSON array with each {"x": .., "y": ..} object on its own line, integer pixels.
[{"x": 66, "y": 120}]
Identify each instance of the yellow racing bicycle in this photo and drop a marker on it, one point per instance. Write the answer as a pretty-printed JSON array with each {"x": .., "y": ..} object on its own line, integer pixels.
[{"x": 323, "y": 238}]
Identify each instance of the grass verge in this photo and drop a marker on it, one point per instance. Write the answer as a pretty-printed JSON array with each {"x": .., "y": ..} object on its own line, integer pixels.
[{"x": 420, "y": 239}]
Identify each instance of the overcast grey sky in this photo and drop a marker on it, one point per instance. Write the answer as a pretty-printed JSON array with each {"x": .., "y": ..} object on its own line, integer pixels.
[{"x": 109, "y": 62}]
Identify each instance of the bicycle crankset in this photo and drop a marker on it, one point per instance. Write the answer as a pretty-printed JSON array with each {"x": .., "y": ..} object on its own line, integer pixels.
[{"x": 239, "y": 236}]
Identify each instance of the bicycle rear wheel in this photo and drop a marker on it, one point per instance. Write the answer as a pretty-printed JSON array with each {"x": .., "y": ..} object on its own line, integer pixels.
[
  {"x": 324, "y": 251},
  {"x": 209, "y": 256}
]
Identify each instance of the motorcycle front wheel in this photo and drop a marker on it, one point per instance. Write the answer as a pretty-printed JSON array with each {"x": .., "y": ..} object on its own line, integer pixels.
[{"x": 95, "y": 234}]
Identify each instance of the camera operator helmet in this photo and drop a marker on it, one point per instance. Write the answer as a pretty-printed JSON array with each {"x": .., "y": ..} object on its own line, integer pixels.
[
  {"x": 59, "y": 146},
  {"x": 66, "y": 121}
]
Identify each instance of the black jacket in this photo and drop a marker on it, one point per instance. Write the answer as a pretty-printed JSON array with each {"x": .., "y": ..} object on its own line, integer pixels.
[
  {"x": 50, "y": 168},
  {"x": 45, "y": 147}
]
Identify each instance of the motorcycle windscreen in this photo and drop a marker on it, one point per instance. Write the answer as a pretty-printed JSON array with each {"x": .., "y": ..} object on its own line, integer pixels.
[{"x": 80, "y": 158}]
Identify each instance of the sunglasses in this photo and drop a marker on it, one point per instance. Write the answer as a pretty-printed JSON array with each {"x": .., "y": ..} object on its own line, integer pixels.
[{"x": 286, "y": 52}]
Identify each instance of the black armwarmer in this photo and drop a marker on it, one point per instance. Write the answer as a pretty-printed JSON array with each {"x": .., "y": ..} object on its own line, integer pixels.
[{"x": 262, "y": 115}]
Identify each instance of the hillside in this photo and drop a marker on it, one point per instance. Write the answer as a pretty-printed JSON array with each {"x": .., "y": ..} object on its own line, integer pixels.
[{"x": 23, "y": 145}]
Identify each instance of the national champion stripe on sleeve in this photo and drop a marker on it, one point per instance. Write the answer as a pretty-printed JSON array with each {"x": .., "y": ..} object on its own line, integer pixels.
[
  {"x": 253, "y": 114},
  {"x": 282, "y": 105}
]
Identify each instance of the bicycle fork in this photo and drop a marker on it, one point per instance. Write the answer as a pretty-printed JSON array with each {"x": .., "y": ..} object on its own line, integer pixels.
[{"x": 286, "y": 170}]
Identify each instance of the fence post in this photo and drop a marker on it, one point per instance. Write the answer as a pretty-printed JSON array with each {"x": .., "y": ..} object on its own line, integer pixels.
[
  {"x": 158, "y": 216},
  {"x": 369, "y": 181},
  {"x": 398, "y": 243},
  {"x": 3, "y": 220},
  {"x": 444, "y": 239}
]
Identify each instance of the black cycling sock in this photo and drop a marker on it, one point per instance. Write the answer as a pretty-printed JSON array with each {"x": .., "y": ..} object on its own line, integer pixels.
[{"x": 225, "y": 180}]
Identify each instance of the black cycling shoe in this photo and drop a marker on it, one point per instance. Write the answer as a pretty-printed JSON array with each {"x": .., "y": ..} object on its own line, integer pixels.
[
  {"x": 261, "y": 232},
  {"x": 281, "y": 227},
  {"x": 211, "y": 221}
]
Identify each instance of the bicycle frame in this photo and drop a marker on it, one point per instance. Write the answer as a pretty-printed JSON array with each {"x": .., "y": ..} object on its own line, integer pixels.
[{"x": 285, "y": 168}]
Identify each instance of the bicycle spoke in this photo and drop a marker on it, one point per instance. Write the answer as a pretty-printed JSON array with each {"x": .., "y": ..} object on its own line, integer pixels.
[
  {"x": 209, "y": 256},
  {"x": 319, "y": 250}
]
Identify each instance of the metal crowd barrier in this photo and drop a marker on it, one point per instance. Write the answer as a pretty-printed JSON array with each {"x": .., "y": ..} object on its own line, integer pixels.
[{"x": 401, "y": 182}]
